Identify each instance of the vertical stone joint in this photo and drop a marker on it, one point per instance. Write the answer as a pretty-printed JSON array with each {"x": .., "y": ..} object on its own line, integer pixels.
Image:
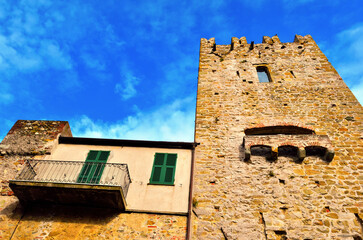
[{"x": 264, "y": 224}]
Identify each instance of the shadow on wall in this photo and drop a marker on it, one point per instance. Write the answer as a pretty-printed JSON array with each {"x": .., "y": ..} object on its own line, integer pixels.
[{"x": 46, "y": 212}]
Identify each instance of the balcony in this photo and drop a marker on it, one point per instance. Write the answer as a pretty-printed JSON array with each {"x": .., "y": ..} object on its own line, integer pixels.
[{"x": 73, "y": 182}]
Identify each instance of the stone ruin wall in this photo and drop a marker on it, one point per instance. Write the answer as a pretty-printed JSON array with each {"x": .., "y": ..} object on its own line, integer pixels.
[
  {"x": 25, "y": 140},
  {"x": 285, "y": 198},
  {"x": 35, "y": 140}
]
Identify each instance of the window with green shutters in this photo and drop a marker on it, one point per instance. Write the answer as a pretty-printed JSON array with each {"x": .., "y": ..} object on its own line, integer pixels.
[
  {"x": 93, "y": 167},
  {"x": 163, "y": 169}
]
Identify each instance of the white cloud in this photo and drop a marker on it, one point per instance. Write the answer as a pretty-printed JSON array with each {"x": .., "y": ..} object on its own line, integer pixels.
[
  {"x": 179, "y": 75},
  {"x": 127, "y": 87},
  {"x": 358, "y": 91},
  {"x": 347, "y": 56},
  {"x": 92, "y": 62},
  {"x": 171, "y": 122},
  {"x": 296, "y": 3},
  {"x": 161, "y": 20},
  {"x": 56, "y": 57},
  {"x": 111, "y": 37},
  {"x": 6, "y": 125},
  {"x": 6, "y": 98},
  {"x": 25, "y": 40}
]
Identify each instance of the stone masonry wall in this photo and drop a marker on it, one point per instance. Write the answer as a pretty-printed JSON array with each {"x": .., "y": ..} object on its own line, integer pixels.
[
  {"x": 284, "y": 198},
  {"x": 25, "y": 140},
  {"x": 70, "y": 222}
]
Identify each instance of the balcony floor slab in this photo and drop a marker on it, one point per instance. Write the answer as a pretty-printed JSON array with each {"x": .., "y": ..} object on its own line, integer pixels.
[{"x": 69, "y": 193}]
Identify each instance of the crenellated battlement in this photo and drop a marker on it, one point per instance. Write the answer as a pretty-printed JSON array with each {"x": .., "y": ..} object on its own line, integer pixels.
[
  {"x": 285, "y": 61},
  {"x": 241, "y": 43}
]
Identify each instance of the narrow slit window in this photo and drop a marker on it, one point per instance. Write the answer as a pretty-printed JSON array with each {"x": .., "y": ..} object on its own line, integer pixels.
[{"x": 263, "y": 74}]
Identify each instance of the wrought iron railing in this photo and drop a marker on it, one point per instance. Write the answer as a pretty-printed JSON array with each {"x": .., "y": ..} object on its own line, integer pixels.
[{"x": 76, "y": 172}]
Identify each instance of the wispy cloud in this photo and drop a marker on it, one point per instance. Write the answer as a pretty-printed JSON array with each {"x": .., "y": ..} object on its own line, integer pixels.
[
  {"x": 347, "y": 56},
  {"x": 44, "y": 38},
  {"x": 358, "y": 91},
  {"x": 6, "y": 98},
  {"x": 25, "y": 43},
  {"x": 171, "y": 122},
  {"x": 29, "y": 46},
  {"x": 297, "y": 3},
  {"x": 56, "y": 57},
  {"x": 92, "y": 62},
  {"x": 180, "y": 76},
  {"x": 127, "y": 87},
  {"x": 6, "y": 125}
]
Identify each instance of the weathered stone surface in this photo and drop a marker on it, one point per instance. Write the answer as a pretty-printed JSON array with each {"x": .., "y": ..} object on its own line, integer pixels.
[
  {"x": 27, "y": 140},
  {"x": 68, "y": 222},
  {"x": 30, "y": 138},
  {"x": 301, "y": 196},
  {"x": 10, "y": 214}
]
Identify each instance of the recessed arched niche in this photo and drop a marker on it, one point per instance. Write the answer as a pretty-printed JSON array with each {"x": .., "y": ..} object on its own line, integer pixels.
[
  {"x": 261, "y": 150},
  {"x": 290, "y": 141},
  {"x": 288, "y": 151},
  {"x": 315, "y": 151}
]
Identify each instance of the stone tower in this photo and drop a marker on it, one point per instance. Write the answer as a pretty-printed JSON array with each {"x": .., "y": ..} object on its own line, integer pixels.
[{"x": 281, "y": 149}]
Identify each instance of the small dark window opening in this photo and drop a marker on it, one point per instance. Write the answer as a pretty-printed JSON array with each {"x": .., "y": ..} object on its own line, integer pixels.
[
  {"x": 288, "y": 151},
  {"x": 263, "y": 74},
  {"x": 261, "y": 150},
  {"x": 315, "y": 151}
]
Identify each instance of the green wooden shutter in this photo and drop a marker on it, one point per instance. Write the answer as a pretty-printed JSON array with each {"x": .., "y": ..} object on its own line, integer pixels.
[
  {"x": 99, "y": 166},
  {"x": 164, "y": 168},
  {"x": 170, "y": 168},
  {"x": 92, "y": 155},
  {"x": 87, "y": 166},
  {"x": 93, "y": 167},
  {"x": 157, "y": 168}
]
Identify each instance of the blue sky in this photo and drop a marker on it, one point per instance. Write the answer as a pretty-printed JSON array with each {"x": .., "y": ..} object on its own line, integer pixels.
[{"x": 128, "y": 69}]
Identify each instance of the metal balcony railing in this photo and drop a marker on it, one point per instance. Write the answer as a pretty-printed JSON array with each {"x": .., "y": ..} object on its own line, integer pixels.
[{"x": 76, "y": 172}]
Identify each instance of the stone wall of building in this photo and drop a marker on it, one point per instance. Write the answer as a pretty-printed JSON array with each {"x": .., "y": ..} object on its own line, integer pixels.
[
  {"x": 71, "y": 222},
  {"x": 25, "y": 140},
  {"x": 284, "y": 198}
]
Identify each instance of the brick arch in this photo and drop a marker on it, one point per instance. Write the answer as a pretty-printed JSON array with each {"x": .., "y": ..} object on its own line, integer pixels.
[
  {"x": 290, "y": 143},
  {"x": 278, "y": 129}
]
